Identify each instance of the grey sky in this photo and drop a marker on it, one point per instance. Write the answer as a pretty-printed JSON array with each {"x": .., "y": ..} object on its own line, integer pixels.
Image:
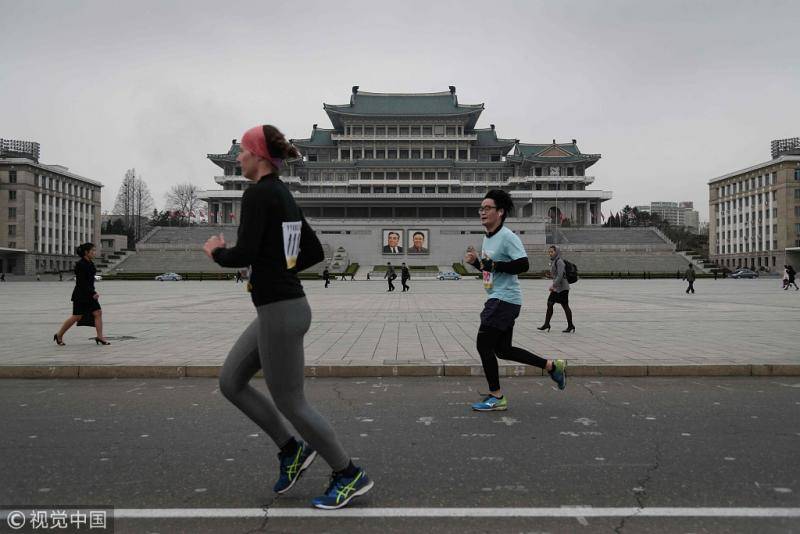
[{"x": 670, "y": 93}]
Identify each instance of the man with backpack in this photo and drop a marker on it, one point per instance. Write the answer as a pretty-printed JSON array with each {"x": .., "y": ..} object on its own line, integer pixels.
[
  {"x": 405, "y": 276},
  {"x": 561, "y": 271}
]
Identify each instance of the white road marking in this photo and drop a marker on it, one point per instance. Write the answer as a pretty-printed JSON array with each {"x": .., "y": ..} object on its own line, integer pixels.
[{"x": 567, "y": 511}]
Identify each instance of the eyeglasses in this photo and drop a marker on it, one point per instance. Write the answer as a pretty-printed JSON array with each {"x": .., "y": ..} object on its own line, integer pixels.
[{"x": 485, "y": 209}]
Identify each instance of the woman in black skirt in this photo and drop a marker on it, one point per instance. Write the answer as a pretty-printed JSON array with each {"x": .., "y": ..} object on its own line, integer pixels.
[{"x": 85, "y": 300}]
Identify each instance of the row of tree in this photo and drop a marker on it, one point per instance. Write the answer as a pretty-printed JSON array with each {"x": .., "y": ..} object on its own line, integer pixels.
[{"x": 136, "y": 211}]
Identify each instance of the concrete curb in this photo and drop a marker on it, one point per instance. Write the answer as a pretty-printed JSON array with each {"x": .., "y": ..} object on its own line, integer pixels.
[{"x": 359, "y": 371}]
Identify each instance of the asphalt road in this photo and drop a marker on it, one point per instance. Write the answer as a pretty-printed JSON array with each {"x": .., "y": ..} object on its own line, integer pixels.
[{"x": 670, "y": 446}]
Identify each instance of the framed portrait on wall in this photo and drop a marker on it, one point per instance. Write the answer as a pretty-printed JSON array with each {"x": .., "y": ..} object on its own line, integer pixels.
[
  {"x": 418, "y": 241},
  {"x": 392, "y": 242}
]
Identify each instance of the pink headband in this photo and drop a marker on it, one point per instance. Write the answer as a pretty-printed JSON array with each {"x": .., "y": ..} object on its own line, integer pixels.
[{"x": 254, "y": 141}]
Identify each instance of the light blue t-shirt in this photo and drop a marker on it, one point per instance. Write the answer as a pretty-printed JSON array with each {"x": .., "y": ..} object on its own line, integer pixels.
[{"x": 505, "y": 245}]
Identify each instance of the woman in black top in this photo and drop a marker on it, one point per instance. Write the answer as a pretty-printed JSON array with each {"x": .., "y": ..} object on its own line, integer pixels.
[
  {"x": 85, "y": 300},
  {"x": 276, "y": 242}
]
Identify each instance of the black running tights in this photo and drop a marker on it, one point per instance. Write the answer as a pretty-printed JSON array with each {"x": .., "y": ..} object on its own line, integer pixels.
[{"x": 494, "y": 343}]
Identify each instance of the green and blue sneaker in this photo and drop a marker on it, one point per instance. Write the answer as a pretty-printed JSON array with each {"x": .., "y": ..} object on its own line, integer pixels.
[
  {"x": 343, "y": 489},
  {"x": 293, "y": 465},
  {"x": 491, "y": 404},
  {"x": 559, "y": 373}
]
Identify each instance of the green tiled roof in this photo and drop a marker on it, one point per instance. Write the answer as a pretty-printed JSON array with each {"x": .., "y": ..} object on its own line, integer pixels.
[
  {"x": 532, "y": 152},
  {"x": 220, "y": 159},
  {"x": 402, "y": 104},
  {"x": 319, "y": 137},
  {"x": 488, "y": 137}
]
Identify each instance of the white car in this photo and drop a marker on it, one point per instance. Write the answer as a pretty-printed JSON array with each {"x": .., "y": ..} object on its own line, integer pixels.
[{"x": 169, "y": 277}]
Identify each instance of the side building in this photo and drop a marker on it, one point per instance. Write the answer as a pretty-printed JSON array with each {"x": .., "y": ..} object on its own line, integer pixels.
[
  {"x": 754, "y": 215},
  {"x": 45, "y": 212},
  {"x": 415, "y": 165}
]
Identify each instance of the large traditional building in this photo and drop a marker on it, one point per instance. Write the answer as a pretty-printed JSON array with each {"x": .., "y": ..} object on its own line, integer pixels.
[
  {"x": 45, "y": 212},
  {"x": 754, "y": 215},
  {"x": 415, "y": 163}
]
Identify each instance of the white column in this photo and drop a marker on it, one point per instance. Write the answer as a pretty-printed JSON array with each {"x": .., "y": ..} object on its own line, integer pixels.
[{"x": 41, "y": 221}]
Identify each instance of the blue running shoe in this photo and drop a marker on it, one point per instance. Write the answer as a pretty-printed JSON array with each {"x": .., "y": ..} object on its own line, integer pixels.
[
  {"x": 559, "y": 373},
  {"x": 342, "y": 490},
  {"x": 491, "y": 404},
  {"x": 292, "y": 466}
]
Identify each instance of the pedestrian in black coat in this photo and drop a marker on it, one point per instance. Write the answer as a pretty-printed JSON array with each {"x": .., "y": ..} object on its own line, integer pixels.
[{"x": 86, "y": 309}]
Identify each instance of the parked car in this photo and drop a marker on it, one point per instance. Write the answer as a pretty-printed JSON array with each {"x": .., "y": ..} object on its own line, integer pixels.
[
  {"x": 449, "y": 275},
  {"x": 169, "y": 277},
  {"x": 744, "y": 273}
]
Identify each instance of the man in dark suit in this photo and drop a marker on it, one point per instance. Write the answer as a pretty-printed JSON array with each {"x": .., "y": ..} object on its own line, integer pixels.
[
  {"x": 392, "y": 245},
  {"x": 418, "y": 247}
]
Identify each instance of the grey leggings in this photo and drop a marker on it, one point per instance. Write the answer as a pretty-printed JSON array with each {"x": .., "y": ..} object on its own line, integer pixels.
[{"x": 274, "y": 342}]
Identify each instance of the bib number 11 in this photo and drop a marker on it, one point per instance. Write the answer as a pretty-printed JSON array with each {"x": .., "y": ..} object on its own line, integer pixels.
[{"x": 291, "y": 242}]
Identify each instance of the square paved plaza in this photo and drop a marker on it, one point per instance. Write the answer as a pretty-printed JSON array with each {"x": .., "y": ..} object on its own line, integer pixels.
[{"x": 619, "y": 322}]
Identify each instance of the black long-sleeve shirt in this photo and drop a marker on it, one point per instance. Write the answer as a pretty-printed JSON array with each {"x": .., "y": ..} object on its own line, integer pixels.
[
  {"x": 268, "y": 241},
  {"x": 84, "y": 281}
]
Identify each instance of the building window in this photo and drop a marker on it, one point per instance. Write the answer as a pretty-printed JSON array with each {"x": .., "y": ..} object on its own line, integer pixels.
[
  {"x": 12, "y": 177},
  {"x": 12, "y": 213},
  {"x": 369, "y": 153},
  {"x": 427, "y": 153},
  {"x": 537, "y": 171},
  {"x": 12, "y": 230},
  {"x": 415, "y": 131},
  {"x": 391, "y": 153},
  {"x": 570, "y": 171},
  {"x": 797, "y": 174},
  {"x": 462, "y": 154},
  {"x": 380, "y": 131},
  {"x": 12, "y": 244},
  {"x": 392, "y": 131},
  {"x": 797, "y": 211},
  {"x": 451, "y": 154},
  {"x": 797, "y": 194},
  {"x": 427, "y": 130},
  {"x": 797, "y": 229},
  {"x": 416, "y": 153},
  {"x": 495, "y": 157},
  {"x": 12, "y": 195}
]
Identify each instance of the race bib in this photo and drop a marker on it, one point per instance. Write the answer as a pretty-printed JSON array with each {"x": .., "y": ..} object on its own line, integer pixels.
[
  {"x": 291, "y": 242},
  {"x": 488, "y": 278}
]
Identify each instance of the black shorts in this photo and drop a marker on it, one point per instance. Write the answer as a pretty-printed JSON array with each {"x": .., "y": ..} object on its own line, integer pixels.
[
  {"x": 499, "y": 314},
  {"x": 560, "y": 297}
]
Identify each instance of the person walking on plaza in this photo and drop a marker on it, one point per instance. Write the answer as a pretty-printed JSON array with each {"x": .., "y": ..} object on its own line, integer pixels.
[
  {"x": 790, "y": 276},
  {"x": 326, "y": 275},
  {"x": 405, "y": 276},
  {"x": 2, "y": 277},
  {"x": 277, "y": 242},
  {"x": 86, "y": 309},
  {"x": 559, "y": 290},
  {"x": 390, "y": 275},
  {"x": 501, "y": 259},
  {"x": 690, "y": 277}
]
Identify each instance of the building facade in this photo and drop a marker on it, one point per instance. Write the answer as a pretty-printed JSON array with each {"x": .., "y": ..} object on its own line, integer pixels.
[
  {"x": 790, "y": 146},
  {"x": 45, "y": 212},
  {"x": 400, "y": 160},
  {"x": 681, "y": 214},
  {"x": 754, "y": 215}
]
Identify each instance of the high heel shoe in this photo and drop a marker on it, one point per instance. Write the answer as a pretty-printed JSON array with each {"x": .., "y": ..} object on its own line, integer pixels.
[
  {"x": 98, "y": 341},
  {"x": 570, "y": 328},
  {"x": 544, "y": 327},
  {"x": 58, "y": 340}
]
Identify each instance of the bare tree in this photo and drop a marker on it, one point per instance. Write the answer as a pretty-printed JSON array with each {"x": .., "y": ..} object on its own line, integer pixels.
[
  {"x": 183, "y": 199},
  {"x": 134, "y": 203}
]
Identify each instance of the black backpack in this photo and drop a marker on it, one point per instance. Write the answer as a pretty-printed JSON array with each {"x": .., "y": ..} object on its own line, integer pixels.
[{"x": 570, "y": 272}]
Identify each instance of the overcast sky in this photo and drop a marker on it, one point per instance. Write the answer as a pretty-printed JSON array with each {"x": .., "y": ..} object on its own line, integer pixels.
[{"x": 671, "y": 93}]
